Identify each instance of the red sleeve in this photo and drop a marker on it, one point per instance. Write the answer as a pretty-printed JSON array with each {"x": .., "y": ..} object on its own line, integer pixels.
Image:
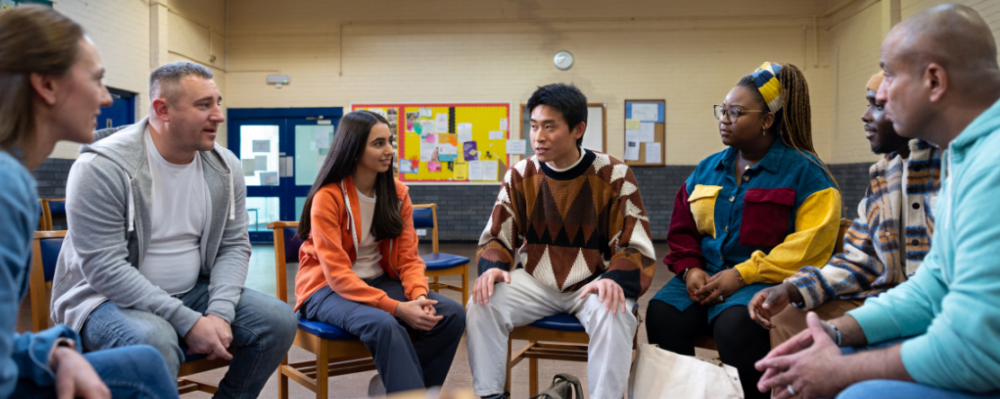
[{"x": 683, "y": 237}]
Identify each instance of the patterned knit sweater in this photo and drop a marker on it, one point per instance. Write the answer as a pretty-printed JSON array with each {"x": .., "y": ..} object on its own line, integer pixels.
[{"x": 569, "y": 228}]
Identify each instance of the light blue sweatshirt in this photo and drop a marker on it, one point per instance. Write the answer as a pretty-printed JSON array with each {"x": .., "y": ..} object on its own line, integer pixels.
[
  {"x": 22, "y": 356},
  {"x": 950, "y": 309}
]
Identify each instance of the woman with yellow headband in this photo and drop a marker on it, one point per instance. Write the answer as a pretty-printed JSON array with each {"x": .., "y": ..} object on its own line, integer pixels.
[{"x": 747, "y": 218}]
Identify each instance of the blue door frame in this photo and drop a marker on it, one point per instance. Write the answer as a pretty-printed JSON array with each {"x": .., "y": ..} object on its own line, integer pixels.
[{"x": 286, "y": 119}]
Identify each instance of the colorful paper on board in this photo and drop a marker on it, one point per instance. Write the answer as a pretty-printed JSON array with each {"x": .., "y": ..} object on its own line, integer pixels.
[
  {"x": 451, "y": 139},
  {"x": 470, "y": 151},
  {"x": 406, "y": 166},
  {"x": 426, "y": 112},
  {"x": 412, "y": 121},
  {"x": 434, "y": 166},
  {"x": 461, "y": 170},
  {"x": 447, "y": 153},
  {"x": 426, "y": 127}
]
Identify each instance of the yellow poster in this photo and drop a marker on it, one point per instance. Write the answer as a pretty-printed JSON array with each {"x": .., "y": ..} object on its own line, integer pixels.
[{"x": 461, "y": 170}]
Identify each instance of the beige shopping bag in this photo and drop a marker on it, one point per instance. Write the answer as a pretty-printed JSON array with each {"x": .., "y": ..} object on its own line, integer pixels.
[{"x": 657, "y": 373}]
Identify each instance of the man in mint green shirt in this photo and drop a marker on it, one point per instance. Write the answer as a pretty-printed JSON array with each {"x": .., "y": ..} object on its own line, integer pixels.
[{"x": 938, "y": 334}]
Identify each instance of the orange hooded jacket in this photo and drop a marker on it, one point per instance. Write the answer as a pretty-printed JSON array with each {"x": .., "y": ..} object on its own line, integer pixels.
[{"x": 331, "y": 250}]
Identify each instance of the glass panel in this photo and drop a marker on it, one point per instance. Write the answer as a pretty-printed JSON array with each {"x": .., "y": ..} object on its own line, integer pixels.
[
  {"x": 300, "y": 202},
  {"x": 259, "y": 153},
  {"x": 262, "y": 210},
  {"x": 312, "y": 142}
]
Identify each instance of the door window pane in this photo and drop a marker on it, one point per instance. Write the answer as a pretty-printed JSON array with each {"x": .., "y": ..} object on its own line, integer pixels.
[
  {"x": 261, "y": 211},
  {"x": 300, "y": 202},
  {"x": 259, "y": 154},
  {"x": 312, "y": 142}
]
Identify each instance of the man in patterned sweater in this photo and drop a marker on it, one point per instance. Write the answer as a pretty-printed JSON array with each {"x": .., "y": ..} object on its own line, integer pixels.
[
  {"x": 884, "y": 246},
  {"x": 568, "y": 234}
]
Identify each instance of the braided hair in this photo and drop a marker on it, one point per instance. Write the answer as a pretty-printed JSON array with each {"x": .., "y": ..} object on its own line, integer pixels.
[{"x": 793, "y": 122}]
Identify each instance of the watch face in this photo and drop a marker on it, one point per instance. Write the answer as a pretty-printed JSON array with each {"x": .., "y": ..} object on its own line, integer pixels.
[{"x": 563, "y": 60}]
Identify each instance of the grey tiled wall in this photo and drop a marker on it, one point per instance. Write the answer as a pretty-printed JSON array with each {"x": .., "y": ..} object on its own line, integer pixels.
[{"x": 464, "y": 210}]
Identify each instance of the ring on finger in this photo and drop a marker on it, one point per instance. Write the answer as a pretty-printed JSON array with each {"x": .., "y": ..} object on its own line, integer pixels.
[{"x": 790, "y": 390}]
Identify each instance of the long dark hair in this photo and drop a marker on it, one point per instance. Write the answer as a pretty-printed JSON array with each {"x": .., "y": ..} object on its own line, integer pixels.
[
  {"x": 33, "y": 39},
  {"x": 793, "y": 122},
  {"x": 349, "y": 143}
]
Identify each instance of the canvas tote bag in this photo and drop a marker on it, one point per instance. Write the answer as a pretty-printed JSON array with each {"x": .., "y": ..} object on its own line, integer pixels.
[{"x": 657, "y": 373}]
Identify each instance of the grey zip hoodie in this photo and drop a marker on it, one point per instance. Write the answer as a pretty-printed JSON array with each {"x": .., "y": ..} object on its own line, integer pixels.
[{"x": 109, "y": 205}]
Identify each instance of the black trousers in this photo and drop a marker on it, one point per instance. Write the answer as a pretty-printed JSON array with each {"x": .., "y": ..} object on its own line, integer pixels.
[{"x": 741, "y": 341}]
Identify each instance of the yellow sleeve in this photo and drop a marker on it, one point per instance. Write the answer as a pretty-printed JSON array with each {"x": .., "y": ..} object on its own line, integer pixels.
[{"x": 817, "y": 226}]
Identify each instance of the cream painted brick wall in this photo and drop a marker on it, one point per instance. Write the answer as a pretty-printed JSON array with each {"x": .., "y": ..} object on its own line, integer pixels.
[
  {"x": 120, "y": 29},
  {"x": 859, "y": 39},
  {"x": 691, "y": 63}
]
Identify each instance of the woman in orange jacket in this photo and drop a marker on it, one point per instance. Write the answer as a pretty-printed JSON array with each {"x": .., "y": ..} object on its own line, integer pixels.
[{"x": 359, "y": 269}]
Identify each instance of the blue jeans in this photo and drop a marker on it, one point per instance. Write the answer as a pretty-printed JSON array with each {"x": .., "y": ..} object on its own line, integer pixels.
[
  {"x": 263, "y": 331},
  {"x": 402, "y": 365},
  {"x": 885, "y": 389},
  {"x": 130, "y": 372},
  {"x": 890, "y": 389}
]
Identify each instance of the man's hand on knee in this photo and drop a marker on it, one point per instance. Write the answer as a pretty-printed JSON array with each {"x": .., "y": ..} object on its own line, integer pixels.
[
  {"x": 75, "y": 377},
  {"x": 205, "y": 338},
  {"x": 609, "y": 292},
  {"x": 483, "y": 289}
]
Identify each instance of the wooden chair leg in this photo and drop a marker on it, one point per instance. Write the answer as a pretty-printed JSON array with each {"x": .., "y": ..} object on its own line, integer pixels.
[
  {"x": 323, "y": 370},
  {"x": 532, "y": 376},
  {"x": 465, "y": 289},
  {"x": 282, "y": 380},
  {"x": 435, "y": 288}
]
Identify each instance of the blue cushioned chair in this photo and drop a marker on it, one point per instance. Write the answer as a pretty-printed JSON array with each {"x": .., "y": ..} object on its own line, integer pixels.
[
  {"x": 46, "y": 249},
  {"x": 50, "y": 207},
  {"x": 44, "y": 223},
  {"x": 440, "y": 264},
  {"x": 557, "y": 337},
  {"x": 337, "y": 351}
]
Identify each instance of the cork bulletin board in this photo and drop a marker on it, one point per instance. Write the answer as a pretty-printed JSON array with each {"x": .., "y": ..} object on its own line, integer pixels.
[{"x": 645, "y": 132}]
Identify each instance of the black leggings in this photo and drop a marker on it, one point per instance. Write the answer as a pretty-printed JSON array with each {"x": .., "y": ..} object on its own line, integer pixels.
[{"x": 741, "y": 341}]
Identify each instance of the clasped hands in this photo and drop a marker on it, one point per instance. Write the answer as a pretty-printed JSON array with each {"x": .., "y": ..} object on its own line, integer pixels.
[{"x": 706, "y": 290}]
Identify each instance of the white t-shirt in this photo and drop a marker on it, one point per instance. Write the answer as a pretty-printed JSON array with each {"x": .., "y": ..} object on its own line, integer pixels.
[
  {"x": 366, "y": 266},
  {"x": 180, "y": 214}
]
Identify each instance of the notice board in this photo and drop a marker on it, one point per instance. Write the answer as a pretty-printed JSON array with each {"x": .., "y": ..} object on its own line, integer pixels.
[
  {"x": 645, "y": 132},
  {"x": 448, "y": 142}
]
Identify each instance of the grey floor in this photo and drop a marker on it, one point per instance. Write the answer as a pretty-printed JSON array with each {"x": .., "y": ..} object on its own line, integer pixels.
[{"x": 261, "y": 277}]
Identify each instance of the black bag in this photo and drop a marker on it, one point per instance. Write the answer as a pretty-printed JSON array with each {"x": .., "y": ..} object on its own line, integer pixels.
[{"x": 564, "y": 386}]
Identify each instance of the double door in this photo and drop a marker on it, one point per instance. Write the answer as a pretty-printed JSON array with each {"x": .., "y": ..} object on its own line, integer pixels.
[{"x": 281, "y": 150}]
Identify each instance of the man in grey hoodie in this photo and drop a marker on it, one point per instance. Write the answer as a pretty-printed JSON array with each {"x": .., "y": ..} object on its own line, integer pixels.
[{"x": 158, "y": 249}]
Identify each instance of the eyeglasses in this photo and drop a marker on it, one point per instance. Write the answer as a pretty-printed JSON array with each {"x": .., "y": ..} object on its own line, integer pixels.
[{"x": 733, "y": 113}]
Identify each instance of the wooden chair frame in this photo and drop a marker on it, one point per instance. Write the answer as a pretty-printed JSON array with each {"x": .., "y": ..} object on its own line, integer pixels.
[
  {"x": 342, "y": 357},
  {"x": 549, "y": 344},
  {"x": 39, "y": 297},
  {"x": 461, "y": 270}
]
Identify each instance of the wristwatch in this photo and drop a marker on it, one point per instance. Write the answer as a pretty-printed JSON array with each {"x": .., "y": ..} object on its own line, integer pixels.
[{"x": 684, "y": 274}]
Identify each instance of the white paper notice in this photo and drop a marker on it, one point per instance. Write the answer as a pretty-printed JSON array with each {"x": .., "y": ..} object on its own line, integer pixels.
[
  {"x": 248, "y": 168},
  {"x": 441, "y": 123},
  {"x": 426, "y": 112},
  {"x": 503, "y": 123},
  {"x": 447, "y": 149},
  {"x": 496, "y": 134},
  {"x": 646, "y": 132},
  {"x": 426, "y": 127},
  {"x": 269, "y": 178},
  {"x": 405, "y": 166},
  {"x": 323, "y": 139},
  {"x": 516, "y": 146},
  {"x": 631, "y": 150},
  {"x": 262, "y": 146},
  {"x": 490, "y": 170},
  {"x": 464, "y": 132},
  {"x": 260, "y": 162},
  {"x": 379, "y": 111},
  {"x": 646, "y": 112},
  {"x": 427, "y": 151},
  {"x": 475, "y": 170},
  {"x": 653, "y": 152},
  {"x": 631, "y": 135}
]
